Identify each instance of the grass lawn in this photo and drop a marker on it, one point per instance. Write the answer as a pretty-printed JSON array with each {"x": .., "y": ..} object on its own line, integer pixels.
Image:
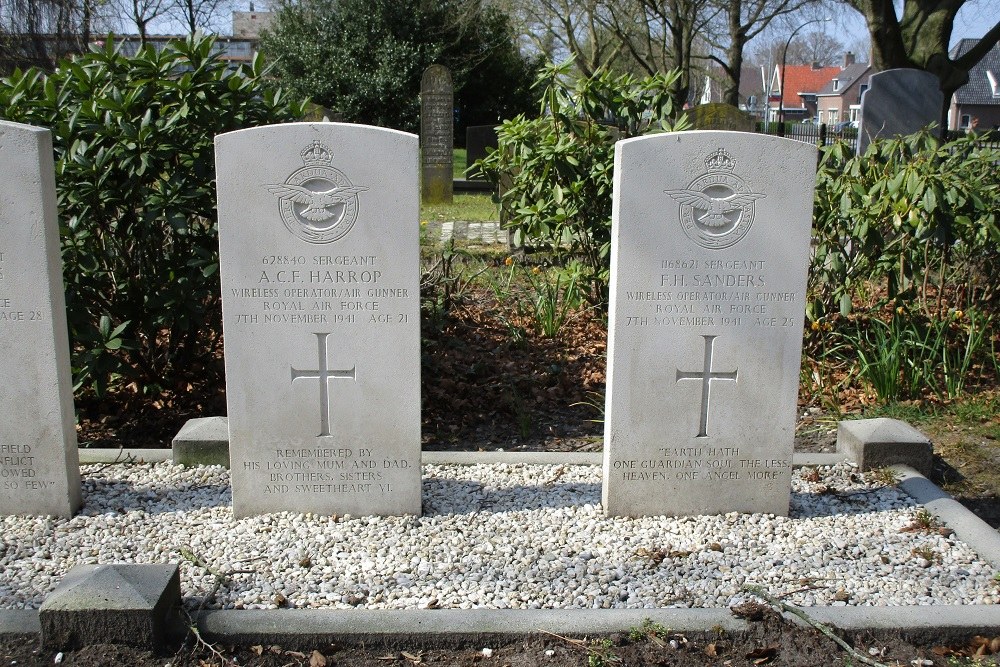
[
  {"x": 458, "y": 163},
  {"x": 471, "y": 207}
]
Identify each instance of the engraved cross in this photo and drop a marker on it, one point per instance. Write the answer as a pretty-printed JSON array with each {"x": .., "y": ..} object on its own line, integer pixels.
[
  {"x": 324, "y": 375},
  {"x": 706, "y": 376}
]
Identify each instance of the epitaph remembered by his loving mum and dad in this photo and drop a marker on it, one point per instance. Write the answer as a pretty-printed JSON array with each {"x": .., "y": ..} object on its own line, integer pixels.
[
  {"x": 318, "y": 246},
  {"x": 39, "y": 465},
  {"x": 710, "y": 250}
]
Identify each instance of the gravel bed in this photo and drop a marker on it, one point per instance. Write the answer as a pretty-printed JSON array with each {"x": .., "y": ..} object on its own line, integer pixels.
[{"x": 500, "y": 536}]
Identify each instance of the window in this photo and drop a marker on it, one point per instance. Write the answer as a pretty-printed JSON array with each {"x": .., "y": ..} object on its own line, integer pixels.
[
  {"x": 993, "y": 83},
  {"x": 966, "y": 122},
  {"x": 836, "y": 85},
  {"x": 832, "y": 116}
]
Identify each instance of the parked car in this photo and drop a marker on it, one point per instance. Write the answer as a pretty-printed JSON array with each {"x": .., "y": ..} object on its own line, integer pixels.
[{"x": 846, "y": 125}]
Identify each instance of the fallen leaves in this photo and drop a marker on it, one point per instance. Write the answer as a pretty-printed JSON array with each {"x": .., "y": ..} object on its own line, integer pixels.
[
  {"x": 978, "y": 648},
  {"x": 763, "y": 655}
]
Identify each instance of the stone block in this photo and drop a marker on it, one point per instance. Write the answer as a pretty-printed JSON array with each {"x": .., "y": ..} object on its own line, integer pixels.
[
  {"x": 881, "y": 442},
  {"x": 124, "y": 603},
  {"x": 202, "y": 442}
]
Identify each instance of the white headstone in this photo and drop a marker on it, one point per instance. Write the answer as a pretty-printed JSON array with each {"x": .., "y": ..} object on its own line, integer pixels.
[
  {"x": 710, "y": 249},
  {"x": 319, "y": 254},
  {"x": 39, "y": 467}
]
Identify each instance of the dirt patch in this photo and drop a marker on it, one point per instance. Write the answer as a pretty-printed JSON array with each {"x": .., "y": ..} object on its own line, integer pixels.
[{"x": 769, "y": 640}]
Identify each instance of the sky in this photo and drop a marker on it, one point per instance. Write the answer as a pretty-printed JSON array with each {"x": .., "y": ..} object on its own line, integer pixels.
[{"x": 974, "y": 19}]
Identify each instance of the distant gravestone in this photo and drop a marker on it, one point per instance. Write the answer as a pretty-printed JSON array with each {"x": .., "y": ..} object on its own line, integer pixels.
[
  {"x": 437, "y": 134},
  {"x": 898, "y": 101},
  {"x": 719, "y": 116},
  {"x": 710, "y": 250},
  {"x": 320, "y": 283},
  {"x": 39, "y": 465},
  {"x": 479, "y": 141}
]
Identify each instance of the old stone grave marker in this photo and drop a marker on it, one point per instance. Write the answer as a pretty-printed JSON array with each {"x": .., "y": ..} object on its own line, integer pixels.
[
  {"x": 899, "y": 101},
  {"x": 437, "y": 134},
  {"x": 39, "y": 466},
  {"x": 710, "y": 249},
  {"x": 319, "y": 265},
  {"x": 719, "y": 116},
  {"x": 479, "y": 141}
]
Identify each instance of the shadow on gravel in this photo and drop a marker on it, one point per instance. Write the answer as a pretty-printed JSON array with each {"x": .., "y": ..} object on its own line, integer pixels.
[
  {"x": 124, "y": 496},
  {"x": 450, "y": 496},
  {"x": 829, "y": 504}
]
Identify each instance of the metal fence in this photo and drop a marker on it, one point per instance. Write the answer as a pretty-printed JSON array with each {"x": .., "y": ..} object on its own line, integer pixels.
[
  {"x": 811, "y": 133},
  {"x": 823, "y": 135}
]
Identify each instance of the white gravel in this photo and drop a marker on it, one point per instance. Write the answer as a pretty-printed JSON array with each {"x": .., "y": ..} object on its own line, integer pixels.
[{"x": 499, "y": 536}]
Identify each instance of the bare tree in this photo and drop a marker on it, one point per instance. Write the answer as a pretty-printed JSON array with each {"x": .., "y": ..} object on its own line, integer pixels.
[
  {"x": 39, "y": 32},
  {"x": 919, "y": 37},
  {"x": 137, "y": 15},
  {"x": 812, "y": 48},
  {"x": 562, "y": 28},
  {"x": 745, "y": 20},
  {"x": 200, "y": 14}
]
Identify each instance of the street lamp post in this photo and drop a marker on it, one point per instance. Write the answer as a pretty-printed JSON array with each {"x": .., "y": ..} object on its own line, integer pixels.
[{"x": 784, "y": 57}]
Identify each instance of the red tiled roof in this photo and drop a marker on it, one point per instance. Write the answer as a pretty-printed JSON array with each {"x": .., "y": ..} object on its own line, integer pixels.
[{"x": 803, "y": 79}]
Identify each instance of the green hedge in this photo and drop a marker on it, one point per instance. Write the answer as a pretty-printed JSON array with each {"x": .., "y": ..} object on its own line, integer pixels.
[{"x": 135, "y": 173}]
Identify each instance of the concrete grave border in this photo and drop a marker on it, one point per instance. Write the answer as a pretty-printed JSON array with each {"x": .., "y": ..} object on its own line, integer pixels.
[{"x": 451, "y": 627}]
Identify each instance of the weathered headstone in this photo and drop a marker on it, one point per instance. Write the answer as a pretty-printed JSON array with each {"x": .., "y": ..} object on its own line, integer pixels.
[
  {"x": 479, "y": 140},
  {"x": 719, "y": 116},
  {"x": 710, "y": 249},
  {"x": 437, "y": 134},
  {"x": 39, "y": 466},
  {"x": 899, "y": 101},
  {"x": 320, "y": 280}
]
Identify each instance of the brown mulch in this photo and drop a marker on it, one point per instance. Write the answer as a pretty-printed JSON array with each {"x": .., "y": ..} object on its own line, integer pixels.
[{"x": 489, "y": 381}]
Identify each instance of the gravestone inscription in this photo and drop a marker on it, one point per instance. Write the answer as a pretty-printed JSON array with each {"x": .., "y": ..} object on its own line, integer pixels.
[
  {"x": 710, "y": 248},
  {"x": 437, "y": 137},
  {"x": 320, "y": 279},
  {"x": 39, "y": 465},
  {"x": 898, "y": 101}
]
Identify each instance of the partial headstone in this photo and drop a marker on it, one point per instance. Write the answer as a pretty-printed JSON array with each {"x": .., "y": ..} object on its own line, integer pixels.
[
  {"x": 710, "y": 248},
  {"x": 479, "y": 141},
  {"x": 878, "y": 443},
  {"x": 437, "y": 138},
  {"x": 719, "y": 116},
  {"x": 319, "y": 260},
  {"x": 898, "y": 101},
  {"x": 202, "y": 442},
  {"x": 126, "y": 603},
  {"x": 39, "y": 469}
]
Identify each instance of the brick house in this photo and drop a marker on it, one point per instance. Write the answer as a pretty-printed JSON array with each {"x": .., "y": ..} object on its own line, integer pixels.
[
  {"x": 751, "y": 89},
  {"x": 840, "y": 98},
  {"x": 980, "y": 97},
  {"x": 802, "y": 84}
]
